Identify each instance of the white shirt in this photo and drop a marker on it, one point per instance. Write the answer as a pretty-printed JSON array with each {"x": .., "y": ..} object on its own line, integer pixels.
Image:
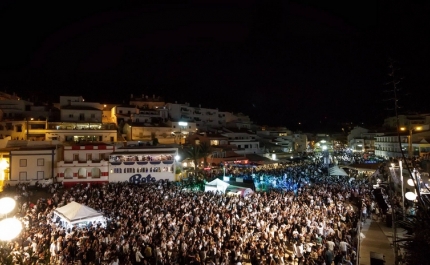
[
  {"x": 343, "y": 246},
  {"x": 298, "y": 250},
  {"x": 330, "y": 245}
]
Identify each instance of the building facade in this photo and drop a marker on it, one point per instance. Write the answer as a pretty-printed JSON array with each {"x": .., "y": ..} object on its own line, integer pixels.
[
  {"x": 84, "y": 163},
  {"x": 142, "y": 164},
  {"x": 407, "y": 120},
  {"x": 32, "y": 164},
  {"x": 388, "y": 145},
  {"x": 147, "y": 102},
  {"x": 246, "y": 143},
  {"x": 73, "y": 132},
  {"x": 204, "y": 118}
]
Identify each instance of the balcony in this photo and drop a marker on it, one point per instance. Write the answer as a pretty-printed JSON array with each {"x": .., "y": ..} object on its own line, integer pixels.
[
  {"x": 80, "y": 126},
  {"x": 91, "y": 163}
]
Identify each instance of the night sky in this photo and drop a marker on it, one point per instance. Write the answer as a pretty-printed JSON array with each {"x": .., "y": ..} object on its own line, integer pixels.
[{"x": 281, "y": 62}]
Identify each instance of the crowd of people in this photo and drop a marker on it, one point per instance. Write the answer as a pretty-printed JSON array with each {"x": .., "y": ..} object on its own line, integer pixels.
[{"x": 310, "y": 220}]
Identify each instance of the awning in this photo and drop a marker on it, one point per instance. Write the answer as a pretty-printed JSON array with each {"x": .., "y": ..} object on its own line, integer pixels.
[
  {"x": 363, "y": 167},
  {"x": 336, "y": 171}
]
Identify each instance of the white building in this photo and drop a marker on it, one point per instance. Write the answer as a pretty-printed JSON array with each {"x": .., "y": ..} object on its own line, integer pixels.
[
  {"x": 142, "y": 164},
  {"x": 407, "y": 120},
  {"x": 84, "y": 163},
  {"x": 31, "y": 164},
  {"x": 147, "y": 102},
  {"x": 75, "y": 109},
  {"x": 75, "y": 132},
  {"x": 150, "y": 115},
  {"x": 122, "y": 113},
  {"x": 74, "y": 113},
  {"x": 246, "y": 143},
  {"x": 13, "y": 108},
  {"x": 388, "y": 145},
  {"x": 284, "y": 139},
  {"x": 203, "y": 117},
  {"x": 238, "y": 120}
]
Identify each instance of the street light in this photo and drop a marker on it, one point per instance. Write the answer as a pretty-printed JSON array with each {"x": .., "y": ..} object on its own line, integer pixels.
[
  {"x": 402, "y": 184},
  {"x": 411, "y": 129},
  {"x": 413, "y": 182},
  {"x": 9, "y": 229},
  {"x": 7, "y": 205}
]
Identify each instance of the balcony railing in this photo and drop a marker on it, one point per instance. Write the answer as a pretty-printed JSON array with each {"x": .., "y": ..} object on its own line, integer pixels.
[{"x": 79, "y": 126}]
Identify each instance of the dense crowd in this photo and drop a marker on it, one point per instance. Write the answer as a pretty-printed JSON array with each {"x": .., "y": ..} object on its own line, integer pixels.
[{"x": 312, "y": 220}]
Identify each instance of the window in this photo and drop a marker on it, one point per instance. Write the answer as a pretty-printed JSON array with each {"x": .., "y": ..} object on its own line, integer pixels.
[
  {"x": 22, "y": 175},
  {"x": 117, "y": 170},
  {"x": 23, "y": 163},
  {"x": 82, "y": 117},
  {"x": 75, "y": 157},
  {"x": 40, "y": 175},
  {"x": 129, "y": 170},
  {"x": 70, "y": 115},
  {"x": 18, "y": 128},
  {"x": 89, "y": 157},
  {"x": 93, "y": 116},
  {"x": 40, "y": 162},
  {"x": 120, "y": 112}
]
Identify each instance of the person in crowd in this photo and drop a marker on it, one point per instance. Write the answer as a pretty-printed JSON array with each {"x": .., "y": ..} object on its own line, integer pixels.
[{"x": 304, "y": 213}]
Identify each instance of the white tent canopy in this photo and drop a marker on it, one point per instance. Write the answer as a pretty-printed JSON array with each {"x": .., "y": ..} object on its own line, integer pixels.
[
  {"x": 75, "y": 213},
  {"x": 336, "y": 171},
  {"x": 216, "y": 185}
]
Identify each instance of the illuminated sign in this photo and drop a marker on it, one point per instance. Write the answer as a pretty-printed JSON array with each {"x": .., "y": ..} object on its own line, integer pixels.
[
  {"x": 137, "y": 178},
  {"x": 182, "y": 123}
]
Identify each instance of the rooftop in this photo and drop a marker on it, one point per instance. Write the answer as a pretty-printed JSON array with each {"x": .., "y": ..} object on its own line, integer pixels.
[{"x": 36, "y": 147}]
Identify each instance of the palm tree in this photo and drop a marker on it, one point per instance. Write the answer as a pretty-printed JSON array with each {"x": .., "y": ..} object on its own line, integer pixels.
[
  {"x": 205, "y": 151},
  {"x": 418, "y": 244},
  {"x": 193, "y": 152}
]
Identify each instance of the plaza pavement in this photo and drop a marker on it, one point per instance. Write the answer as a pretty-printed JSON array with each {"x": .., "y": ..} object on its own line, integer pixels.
[{"x": 378, "y": 238}]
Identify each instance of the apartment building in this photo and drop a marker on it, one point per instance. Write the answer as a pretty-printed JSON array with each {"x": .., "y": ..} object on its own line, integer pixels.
[
  {"x": 203, "y": 117},
  {"x": 84, "y": 163}
]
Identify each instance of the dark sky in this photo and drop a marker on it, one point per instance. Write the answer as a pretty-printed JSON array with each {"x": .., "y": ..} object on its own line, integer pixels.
[{"x": 281, "y": 62}]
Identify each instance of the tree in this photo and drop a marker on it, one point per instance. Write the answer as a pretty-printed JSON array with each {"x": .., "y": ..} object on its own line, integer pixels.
[
  {"x": 205, "y": 151},
  {"x": 193, "y": 152},
  {"x": 418, "y": 244}
]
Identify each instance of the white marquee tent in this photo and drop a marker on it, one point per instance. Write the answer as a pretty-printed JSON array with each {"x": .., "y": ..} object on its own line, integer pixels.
[
  {"x": 336, "y": 171},
  {"x": 75, "y": 213},
  {"x": 216, "y": 185}
]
